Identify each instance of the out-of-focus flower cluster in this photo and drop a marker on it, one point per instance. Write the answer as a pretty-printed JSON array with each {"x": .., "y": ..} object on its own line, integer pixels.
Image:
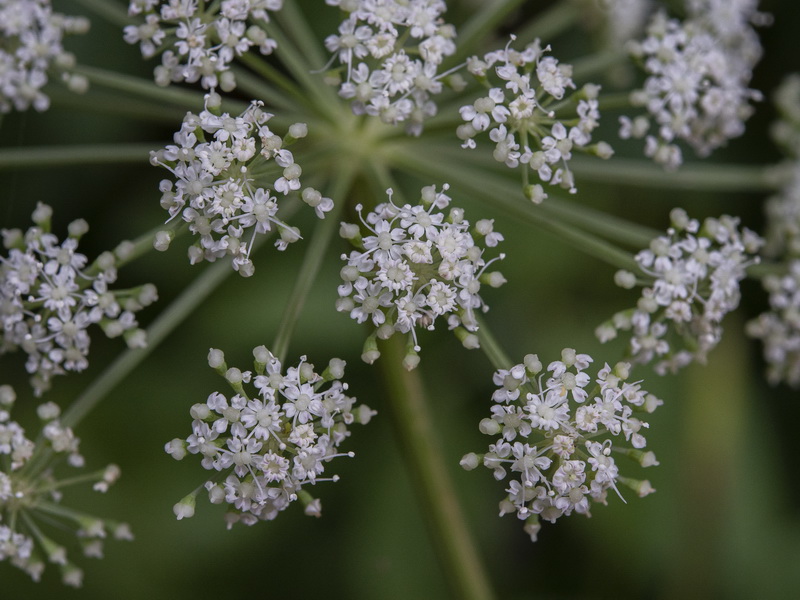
[
  {"x": 779, "y": 327},
  {"x": 30, "y": 495},
  {"x": 273, "y": 443},
  {"x": 198, "y": 39},
  {"x": 559, "y": 434},
  {"x": 50, "y": 295},
  {"x": 698, "y": 73},
  {"x": 31, "y": 51},
  {"x": 414, "y": 264},
  {"x": 533, "y": 119},
  {"x": 691, "y": 281},
  {"x": 391, "y": 52},
  {"x": 226, "y": 169}
]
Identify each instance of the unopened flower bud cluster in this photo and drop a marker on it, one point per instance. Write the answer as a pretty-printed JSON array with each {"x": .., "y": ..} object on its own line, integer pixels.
[
  {"x": 31, "y": 51},
  {"x": 559, "y": 434},
  {"x": 390, "y": 54},
  {"x": 521, "y": 119},
  {"x": 415, "y": 264},
  {"x": 698, "y": 73},
  {"x": 198, "y": 40},
  {"x": 30, "y": 497},
  {"x": 267, "y": 446},
  {"x": 227, "y": 170},
  {"x": 50, "y": 295},
  {"x": 690, "y": 280}
]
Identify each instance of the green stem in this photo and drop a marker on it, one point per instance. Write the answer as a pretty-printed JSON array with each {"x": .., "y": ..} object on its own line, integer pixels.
[
  {"x": 109, "y": 10},
  {"x": 147, "y": 89},
  {"x": 507, "y": 196},
  {"x": 696, "y": 177},
  {"x": 491, "y": 348},
  {"x": 322, "y": 96},
  {"x": 296, "y": 24},
  {"x": 619, "y": 101},
  {"x": 64, "y": 156},
  {"x": 550, "y": 23},
  {"x": 598, "y": 62},
  {"x": 424, "y": 459},
  {"x": 259, "y": 89},
  {"x": 311, "y": 264},
  {"x": 111, "y": 103},
  {"x": 480, "y": 25}
]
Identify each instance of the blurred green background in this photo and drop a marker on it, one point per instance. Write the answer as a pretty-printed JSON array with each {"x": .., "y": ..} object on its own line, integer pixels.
[{"x": 724, "y": 523}]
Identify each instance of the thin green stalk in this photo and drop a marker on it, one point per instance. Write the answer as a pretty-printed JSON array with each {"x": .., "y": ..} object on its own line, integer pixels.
[
  {"x": 110, "y": 103},
  {"x": 311, "y": 264},
  {"x": 598, "y": 62},
  {"x": 423, "y": 457},
  {"x": 491, "y": 347},
  {"x": 64, "y": 156},
  {"x": 145, "y": 88},
  {"x": 480, "y": 25},
  {"x": 704, "y": 177},
  {"x": 507, "y": 196},
  {"x": 112, "y": 12},
  {"x": 262, "y": 90},
  {"x": 600, "y": 223},
  {"x": 322, "y": 95},
  {"x": 549, "y": 24},
  {"x": 295, "y": 23},
  {"x": 621, "y": 100}
]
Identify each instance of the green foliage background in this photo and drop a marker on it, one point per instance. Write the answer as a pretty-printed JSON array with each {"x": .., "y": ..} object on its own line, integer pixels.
[{"x": 724, "y": 523}]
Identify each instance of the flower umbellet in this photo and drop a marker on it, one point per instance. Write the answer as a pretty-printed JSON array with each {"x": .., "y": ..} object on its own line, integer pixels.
[
  {"x": 690, "y": 280},
  {"x": 50, "y": 295},
  {"x": 229, "y": 171},
  {"x": 560, "y": 432},
  {"x": 413, "y": 265},
  {"x": 199, "y": 40},
  {"x": 30, "y": 497},
  {"x": 32, "y": 52},
  {"x": 268, "y": 446},
  {"x": 536, "y": 117}
]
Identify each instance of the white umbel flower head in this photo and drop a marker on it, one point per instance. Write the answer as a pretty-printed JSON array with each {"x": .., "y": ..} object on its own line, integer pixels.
[
  {"x": 413, "y": 265},
  {"x": 269, "y": 445},
  {"x": 30, "y": 498},
  {"x": 559, "y": 435},
  {"x": 50, "y": 297},
  {"x": 31, "y": 53},
  {"x": 698, "y": 72},
  {"x": 198, "y": 40},
  {"x": 229, "y": 172},
  {"x": 390, "y": 53},
  {"x": 690, "y": 280},
  {"x": 519, "y": 114}
]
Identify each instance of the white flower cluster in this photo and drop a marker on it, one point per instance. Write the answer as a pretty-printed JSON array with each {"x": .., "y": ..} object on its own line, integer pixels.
[
  {"x": 220, "y": 163},
  {"x": 779, "y": 328},
  {"x": 521, "y": 118},
  {"x": 558, "y": 434},
  {"x": 413, "y": 265},
  {"x": 198, "y": 39},
  {"x": 691, "y": 281},
  {"x": 273, "y": 443},
  {"x": 392, "y": 52},
  {"x": 697, "y": 85},
  {"x": 31, "y": 49},
  {"x": 50, "y": 295},
  {"x": 30, "y": 498}
]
